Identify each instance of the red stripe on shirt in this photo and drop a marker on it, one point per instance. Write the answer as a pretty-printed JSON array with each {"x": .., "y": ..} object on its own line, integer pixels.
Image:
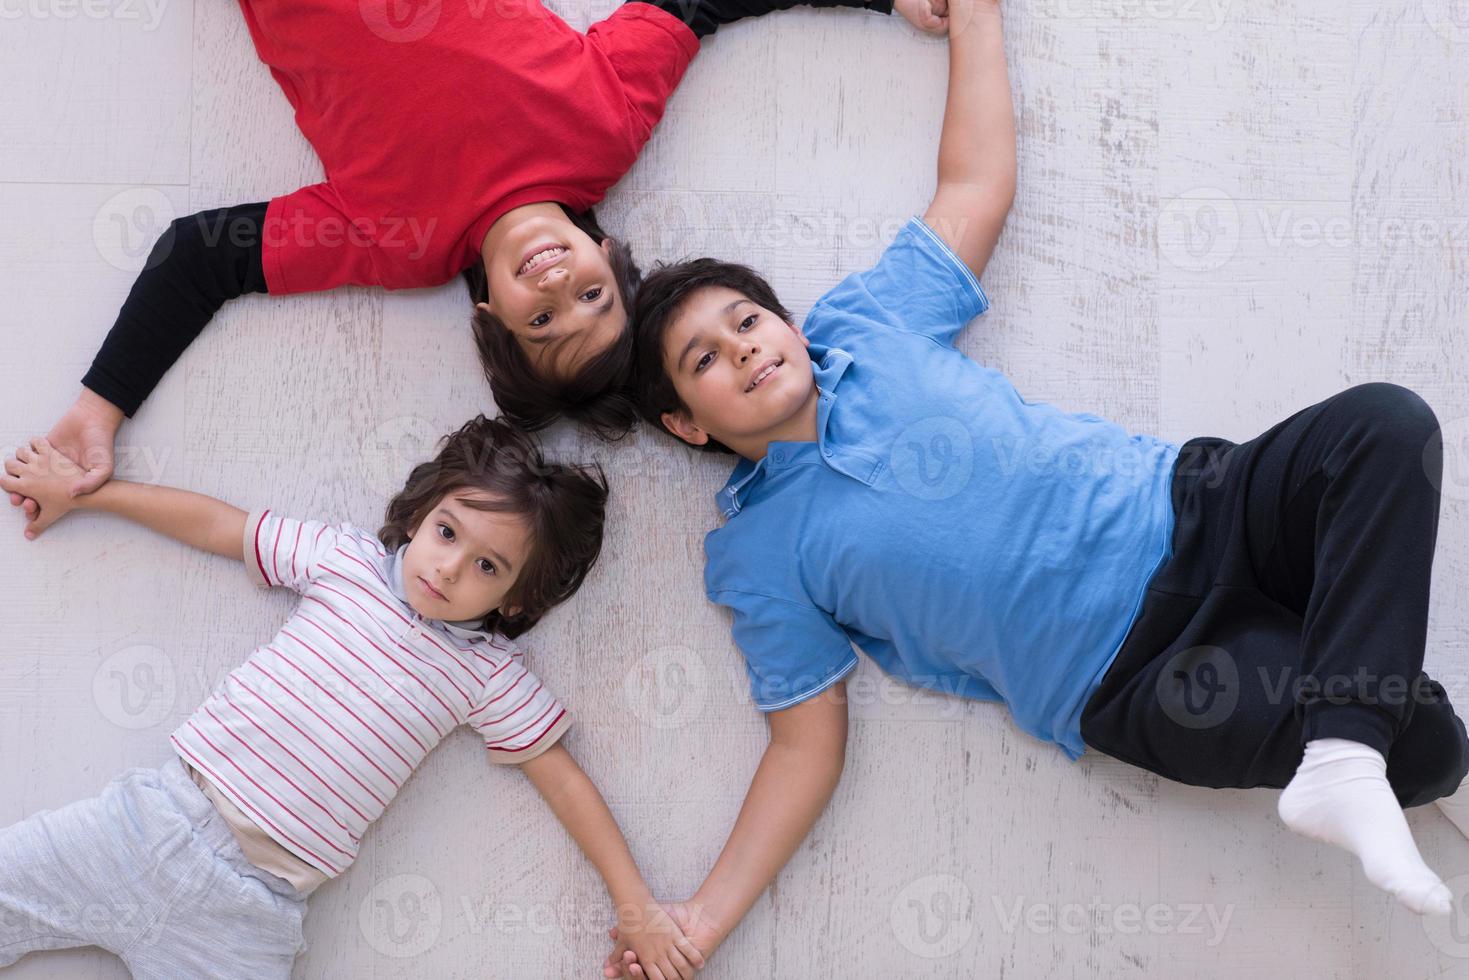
[{"x": 339, "y": 733}]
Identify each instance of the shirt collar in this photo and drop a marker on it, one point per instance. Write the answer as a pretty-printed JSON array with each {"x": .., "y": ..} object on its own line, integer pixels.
[
  {"x": 828, "y": 365},
  {"x": 393, "y": 571}
]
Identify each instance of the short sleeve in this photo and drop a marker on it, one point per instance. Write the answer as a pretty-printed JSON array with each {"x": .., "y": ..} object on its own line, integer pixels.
[
  {"x": 918, "y": 285},
  {"x": 310, "y": 243},
  {"x": 280, "y": 551},
  {"x": 793, "y": 651},
  {"x": 516, "y": 715},
  {"x": 649, "y": 49}
]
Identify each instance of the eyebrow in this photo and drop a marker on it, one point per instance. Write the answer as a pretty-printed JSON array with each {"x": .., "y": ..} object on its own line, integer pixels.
[
  {"x": 445, "y": 512},
  {"x": 728, "y": 309}
]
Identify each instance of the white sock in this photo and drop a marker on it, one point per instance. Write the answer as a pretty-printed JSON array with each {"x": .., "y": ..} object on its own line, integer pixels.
[
  {"x": 1456, "y": 807},
  {"x": 1340, "y": 795}
]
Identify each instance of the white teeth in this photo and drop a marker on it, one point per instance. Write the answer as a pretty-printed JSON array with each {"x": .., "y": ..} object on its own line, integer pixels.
[
  {"x": 763, "y": 375},
  {"x": 544, "y": 253}
]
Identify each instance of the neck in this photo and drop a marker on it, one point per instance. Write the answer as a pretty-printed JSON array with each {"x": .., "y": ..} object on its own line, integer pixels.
[{"x": 800, "y": 427}]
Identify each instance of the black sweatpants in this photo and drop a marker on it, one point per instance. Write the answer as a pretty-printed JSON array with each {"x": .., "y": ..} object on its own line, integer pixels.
[{"x": 1294, "y": 606}]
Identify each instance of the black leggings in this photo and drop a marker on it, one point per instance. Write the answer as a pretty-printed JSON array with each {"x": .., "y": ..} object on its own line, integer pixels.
[{"x": 1294, "y": 607}]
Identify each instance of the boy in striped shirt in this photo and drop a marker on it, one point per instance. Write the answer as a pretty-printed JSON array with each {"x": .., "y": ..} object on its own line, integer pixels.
[{"x": 399, "y": 638}]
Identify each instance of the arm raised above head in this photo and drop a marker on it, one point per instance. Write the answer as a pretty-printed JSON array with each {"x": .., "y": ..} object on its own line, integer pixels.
[{"x": 976, "y": 164}]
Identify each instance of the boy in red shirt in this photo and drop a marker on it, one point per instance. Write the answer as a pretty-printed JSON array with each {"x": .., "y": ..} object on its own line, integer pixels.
[{"x": 472, "y": 137}]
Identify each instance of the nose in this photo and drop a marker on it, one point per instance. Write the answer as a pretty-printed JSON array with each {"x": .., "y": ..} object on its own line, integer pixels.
[
  {"x": 554, "y": 276},
  {"x": 747, "y": 349}
]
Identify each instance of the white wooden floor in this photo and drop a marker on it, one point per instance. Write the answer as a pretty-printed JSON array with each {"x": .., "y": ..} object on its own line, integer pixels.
[{"x": 1228, "y": 209}]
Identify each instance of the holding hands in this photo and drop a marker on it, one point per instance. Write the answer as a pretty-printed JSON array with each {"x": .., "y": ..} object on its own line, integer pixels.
[
  {"x": 929, "y": 16},
  {"x": 84, "y": 437},
  {"x": 43, "y": 477},
  {"x": 660, "y": 942},
  {"x": 699, "y": 937}
]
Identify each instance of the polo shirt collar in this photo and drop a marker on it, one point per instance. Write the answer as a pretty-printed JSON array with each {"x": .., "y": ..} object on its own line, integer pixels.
[
  {"x": 829, "y": 365},
  {"x": 393, "y": 572}
]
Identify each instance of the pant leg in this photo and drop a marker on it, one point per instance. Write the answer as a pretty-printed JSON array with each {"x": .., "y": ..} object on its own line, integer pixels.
[
  {"x": 1340, "y": 520},
  {"x": 227, "y": 918},
  {"x": 68, "y": 876},
  {"x": 1294, "y": 606},
  {"x": 146, "y": 870}
]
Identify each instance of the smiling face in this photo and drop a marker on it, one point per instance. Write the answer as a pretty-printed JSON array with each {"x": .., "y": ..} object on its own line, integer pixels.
[
  {"x": 742, "y": 371},
  {"x": 461, "y": 562},
  {"x": 553, "y": 287}
]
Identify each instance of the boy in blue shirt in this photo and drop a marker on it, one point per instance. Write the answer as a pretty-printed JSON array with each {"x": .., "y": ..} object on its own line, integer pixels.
[{"x": 1224, "y": 615}]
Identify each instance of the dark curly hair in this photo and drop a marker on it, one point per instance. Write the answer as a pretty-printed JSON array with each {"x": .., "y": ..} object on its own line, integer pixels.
[
  {"x": 597, "y": 395},
  {"x": 661, "y": 297},
  {"x": 563, "y": 506}
]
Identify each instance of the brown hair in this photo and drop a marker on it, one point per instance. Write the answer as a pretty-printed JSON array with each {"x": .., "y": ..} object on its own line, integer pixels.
[
  {"x": 563, "y": 506},
  {"x": 662, "y": 294},
  {"x": 597, "y": 395}
]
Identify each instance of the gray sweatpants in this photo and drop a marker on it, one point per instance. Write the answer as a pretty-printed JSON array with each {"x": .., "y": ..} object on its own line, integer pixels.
[{"x": 149, "y": 871}]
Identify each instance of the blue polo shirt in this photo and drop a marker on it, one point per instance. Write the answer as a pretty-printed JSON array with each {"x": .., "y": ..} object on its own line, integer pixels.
[{"x": 965, "y": 539}]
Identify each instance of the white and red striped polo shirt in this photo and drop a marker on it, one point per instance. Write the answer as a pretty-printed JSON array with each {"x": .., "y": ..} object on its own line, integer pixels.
[{"x": 313, "y": 735}]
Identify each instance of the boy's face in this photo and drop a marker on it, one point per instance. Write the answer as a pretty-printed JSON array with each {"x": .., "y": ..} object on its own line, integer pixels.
[
  {"x": 743, "y": 371},
  {"x": 553, "y": 287},
  {"x": 461, "y": 561}
]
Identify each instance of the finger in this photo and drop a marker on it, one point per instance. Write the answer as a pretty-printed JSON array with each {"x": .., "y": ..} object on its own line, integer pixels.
[
  {"x": 654, "y": 973},
  {"x": 691, "y": 953},
  {"x": 636, "y": 970},
  {"x": 23, "y": 453},
  {"x": 5, "y": 482},
  {"x": 91, "y": 481},
  {"x": 35, "y": 528},
  {"x": 31, "y": 509},
  {"x": 679, "y": 965},
  {"x": 14, "y": 466}
]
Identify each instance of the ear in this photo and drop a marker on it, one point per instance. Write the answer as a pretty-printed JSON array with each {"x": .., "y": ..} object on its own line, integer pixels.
[
  {"x": 484, "y": 308},
  {"x": 682, "y": 426},
  {"x": 606, "y": 248},
  {"x": 797, "y": 331}
]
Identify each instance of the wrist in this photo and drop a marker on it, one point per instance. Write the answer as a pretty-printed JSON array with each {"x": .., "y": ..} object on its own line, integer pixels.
[
  {"x": 98, "y": 407},
  {"x": 710, "y": 921},
  {"x": 630, "y": 897}
]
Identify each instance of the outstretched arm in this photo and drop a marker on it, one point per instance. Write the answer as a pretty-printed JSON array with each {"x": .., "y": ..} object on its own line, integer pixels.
[
  {"x": 651, "y": 932},
  {"x": 43, "y": 474},
  {"x": 794, "y": 782},
  {"x": 976, "y": 180},
  {"x": 199, "y": 263}
]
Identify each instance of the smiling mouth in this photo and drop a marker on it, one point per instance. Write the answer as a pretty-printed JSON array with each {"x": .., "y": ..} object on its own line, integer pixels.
[
  {"x": 430, "y": 589},
  {"x": 542, "y": 256},
  {"x": 764, "y": 374}
]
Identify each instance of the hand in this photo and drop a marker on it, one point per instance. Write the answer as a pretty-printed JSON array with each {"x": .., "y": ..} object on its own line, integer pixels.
[
  {"x": 44, "y": 476},
  {"x": 84, "y": 435},
  {"x": 700, "y": 931},
  {"x": 929, "y": 16}
]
